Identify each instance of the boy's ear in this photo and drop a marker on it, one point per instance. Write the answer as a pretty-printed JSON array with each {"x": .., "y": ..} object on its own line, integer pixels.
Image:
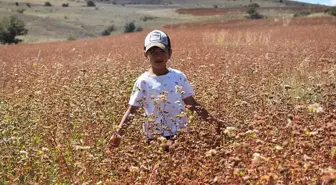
[
  {"x": 170, "y": 53},
  {"x": 145, "y": 54}
]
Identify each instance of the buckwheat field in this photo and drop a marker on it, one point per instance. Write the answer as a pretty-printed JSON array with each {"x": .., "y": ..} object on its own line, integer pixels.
[{"x": 272, "y": 80}]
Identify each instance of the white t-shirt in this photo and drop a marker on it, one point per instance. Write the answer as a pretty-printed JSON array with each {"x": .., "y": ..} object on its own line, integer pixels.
[{"x": 162, "y": 99}]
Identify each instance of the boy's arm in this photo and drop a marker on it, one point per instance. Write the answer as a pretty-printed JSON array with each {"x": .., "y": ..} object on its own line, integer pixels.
[
  {"x": 124, "y": 123},
  {"x": 127, "y": 119},
  {"x": 192, "y": 104}
]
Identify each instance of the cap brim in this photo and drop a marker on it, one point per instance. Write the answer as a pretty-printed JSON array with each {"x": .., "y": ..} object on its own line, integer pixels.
[{"x": 162, "y": 46}]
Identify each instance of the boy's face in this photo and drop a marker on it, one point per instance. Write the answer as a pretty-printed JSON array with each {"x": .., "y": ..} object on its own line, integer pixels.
[{"x": 158, "y": 57}]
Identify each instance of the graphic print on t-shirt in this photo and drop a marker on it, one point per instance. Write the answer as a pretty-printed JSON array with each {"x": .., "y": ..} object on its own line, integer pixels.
[{"x": 162, "y": 98}]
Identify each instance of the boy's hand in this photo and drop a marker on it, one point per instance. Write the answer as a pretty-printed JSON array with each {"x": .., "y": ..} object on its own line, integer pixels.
[
  {"x": 219, "y": 125},
  {"x": 114, "y": 142}
]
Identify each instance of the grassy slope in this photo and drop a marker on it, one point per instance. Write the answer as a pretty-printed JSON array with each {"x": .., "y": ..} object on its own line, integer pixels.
[{"x": 58, "y": 23}]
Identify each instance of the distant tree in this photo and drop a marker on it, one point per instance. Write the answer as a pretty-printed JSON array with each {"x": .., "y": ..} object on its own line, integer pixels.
[
  {"x": 65, "y": 5},
  {"x": 333, "y": 11},
  {"x": 72, "y": 38},
  {"x": 146, "y": 18},
  {"x": 20, "y": 10},
  {"x": 47, "y": 3},
  {"x": 90, "y": 3},
  {"x": 28, "y": 5},
  {"x": 108, "y": 30},
  {"x": 10, "y": 27},
  {"x": 330, "y": 11},
  {"x": 253, "y": 13},
  {"x": 129, "y": 27},
  {"x": 16, "y": 3},
  {"x": 326, "y": 10},
  {"x": 215, "y": 6}
]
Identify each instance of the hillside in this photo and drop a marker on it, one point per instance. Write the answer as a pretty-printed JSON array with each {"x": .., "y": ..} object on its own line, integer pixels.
[
  {"x": 78, "y": 21},
  {"x": 220, "y": 3}
]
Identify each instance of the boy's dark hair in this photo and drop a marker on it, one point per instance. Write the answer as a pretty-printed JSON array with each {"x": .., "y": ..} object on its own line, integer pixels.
[{"x": 168, "y": 38}]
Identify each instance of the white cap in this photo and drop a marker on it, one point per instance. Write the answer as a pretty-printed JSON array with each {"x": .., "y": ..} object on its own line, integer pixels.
[{"x": 157, "y": 38}]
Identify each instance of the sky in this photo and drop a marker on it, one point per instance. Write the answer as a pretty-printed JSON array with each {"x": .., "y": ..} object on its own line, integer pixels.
[{"x": 325, "y": 2}]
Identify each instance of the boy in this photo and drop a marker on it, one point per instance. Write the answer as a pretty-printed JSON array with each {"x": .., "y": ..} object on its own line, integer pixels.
[{"x": 163, "y": 93}]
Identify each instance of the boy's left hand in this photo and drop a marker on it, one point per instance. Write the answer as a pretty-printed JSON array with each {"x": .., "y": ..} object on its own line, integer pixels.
[{"x": 219, "y": 125}]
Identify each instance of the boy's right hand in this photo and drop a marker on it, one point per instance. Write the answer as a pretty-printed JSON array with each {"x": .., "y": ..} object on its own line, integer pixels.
[{"x": 114, "y": 141}]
